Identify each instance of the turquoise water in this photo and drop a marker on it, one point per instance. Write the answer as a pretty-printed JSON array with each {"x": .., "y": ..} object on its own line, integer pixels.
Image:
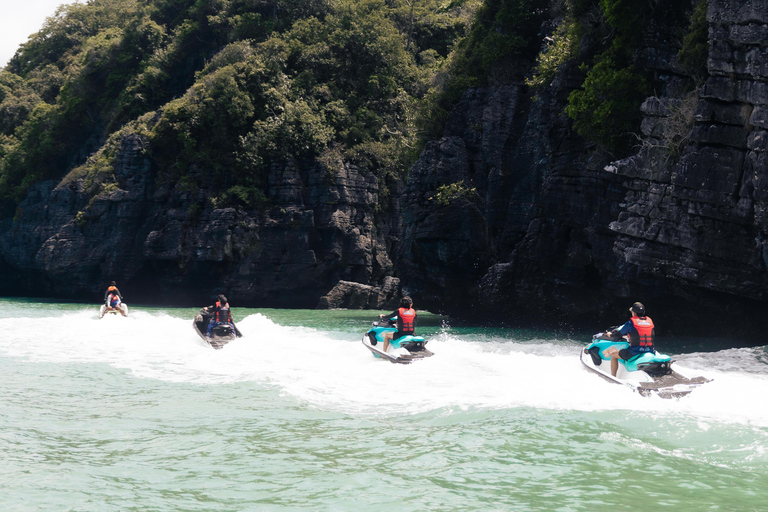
[{"x": 137, "y": 414}]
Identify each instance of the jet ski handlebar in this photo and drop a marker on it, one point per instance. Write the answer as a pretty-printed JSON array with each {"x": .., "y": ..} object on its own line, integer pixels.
[{"x": 609, "y": 334}]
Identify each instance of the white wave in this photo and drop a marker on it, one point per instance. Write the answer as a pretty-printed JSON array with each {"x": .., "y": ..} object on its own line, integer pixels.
[
  {"x": 739, "y": 360},
  {"x": 333, "y": 370}
]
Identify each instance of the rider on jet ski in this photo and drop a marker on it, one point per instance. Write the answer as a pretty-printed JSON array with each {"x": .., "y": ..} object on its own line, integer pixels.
[
  {"x": 406, "y": 321},
  {"x": 113, "y": 288},
  {"x": 220, "y": 314},
  {"x": 641, "y": 333},
  {"x": 114, "y": 302}
]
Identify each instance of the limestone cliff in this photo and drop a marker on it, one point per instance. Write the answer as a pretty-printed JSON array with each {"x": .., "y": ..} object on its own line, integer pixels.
[
  {"x": 695, "y": 226},
  {"x": 558, "y": 232},
  {"x": 161, "y": 248}
]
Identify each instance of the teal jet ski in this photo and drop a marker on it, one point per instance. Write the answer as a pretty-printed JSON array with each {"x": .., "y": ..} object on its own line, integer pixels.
[
  {"x": 403, "y": 350},
  {"x": 648, "y": 373}
]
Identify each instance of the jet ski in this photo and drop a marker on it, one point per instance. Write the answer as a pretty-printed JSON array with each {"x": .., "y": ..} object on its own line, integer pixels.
[
  {"x": 403, "y": 350},
  {"x": 220, "y": 335},
  {"x": 121, "y": 308},
  {"x": 648, "y": 373}
]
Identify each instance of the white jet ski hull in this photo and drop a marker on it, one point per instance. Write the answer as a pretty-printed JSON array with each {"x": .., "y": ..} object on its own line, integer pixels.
[
  {"x": 673, "y": 384},
  {"x": 394, "y": 354}
]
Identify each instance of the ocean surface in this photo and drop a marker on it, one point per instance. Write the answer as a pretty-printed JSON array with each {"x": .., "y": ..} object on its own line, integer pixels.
[{"x": 138, "y": 414}]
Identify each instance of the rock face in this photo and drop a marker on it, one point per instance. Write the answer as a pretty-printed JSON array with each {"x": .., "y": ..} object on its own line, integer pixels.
[
  {"x": 530, "y": 240},
  {"x": 349, "y": 295},
  {"x": 695, "y": 226},
  {"x": 558, "y": 232},
  {"x": 162, "y": 247}
]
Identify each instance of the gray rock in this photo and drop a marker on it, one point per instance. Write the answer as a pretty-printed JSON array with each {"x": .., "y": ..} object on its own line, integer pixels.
[{"x": 348, "y": 295}]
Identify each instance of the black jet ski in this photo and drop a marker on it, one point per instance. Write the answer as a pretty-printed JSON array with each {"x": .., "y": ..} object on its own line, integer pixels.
[
  {"x": 648, "y": 373},
  {"x": 403, "y": 350},
  {"x": 220, "y": 335}
]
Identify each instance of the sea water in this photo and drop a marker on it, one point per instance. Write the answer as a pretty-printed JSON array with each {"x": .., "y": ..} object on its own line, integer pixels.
[{"x": 139, "y": 414}]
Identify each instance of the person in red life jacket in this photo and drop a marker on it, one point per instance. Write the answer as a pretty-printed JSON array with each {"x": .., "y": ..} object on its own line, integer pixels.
[
  {"x": 112, "y": 289},
  {"x": 113, "y": 302},
  {"x": 220, "y": 314},
  {"x": 641, "y": 332},
  {"x": 406, "y": 321}
]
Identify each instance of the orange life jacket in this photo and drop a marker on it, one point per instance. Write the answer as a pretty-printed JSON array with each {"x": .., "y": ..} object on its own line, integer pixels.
[
  {"x": 406, "y": 319},
  {"x": 644, "y": 336},
  {"x": 222, "y": 312}
]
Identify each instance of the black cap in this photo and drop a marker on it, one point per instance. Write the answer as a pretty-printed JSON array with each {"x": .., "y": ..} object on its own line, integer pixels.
[{"x": 638, "y": 309}]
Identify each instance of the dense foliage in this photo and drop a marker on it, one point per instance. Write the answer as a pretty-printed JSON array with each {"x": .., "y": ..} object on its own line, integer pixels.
[
  {"x": 222, "y": 90},
  {"x": 502, "y": 43},
  {"x": 606, "y": 108},
  {"x": 693, "y": 54}
]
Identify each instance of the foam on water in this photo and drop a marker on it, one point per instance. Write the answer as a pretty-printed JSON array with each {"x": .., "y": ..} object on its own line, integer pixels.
[{"x": 333, "y": 370}]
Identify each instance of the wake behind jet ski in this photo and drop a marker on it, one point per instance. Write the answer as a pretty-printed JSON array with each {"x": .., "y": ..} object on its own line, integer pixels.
[
  {"x": 404, "y": 350},
  {"x": 214, "y": 324},
  {"x": 648, "y": 373}
]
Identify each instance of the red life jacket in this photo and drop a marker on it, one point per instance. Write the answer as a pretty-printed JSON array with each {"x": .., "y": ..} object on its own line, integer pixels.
[
  {"x": 406, "y": 319},
  {"x": 222, "y": 312},
  {"x": 644, "y": 337}
]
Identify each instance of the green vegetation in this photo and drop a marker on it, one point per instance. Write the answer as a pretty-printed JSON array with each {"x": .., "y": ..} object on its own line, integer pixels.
[
  {"x": 248, "y": 197},
  {"x": 446, "y": 194},
  {"x": 221, "y": 90},
  {"x": 501, "y": 45},
  {"x": 561, "y": 49},
  {"x": 693, "y": 54},
  {"x": 606, "y": 108}
]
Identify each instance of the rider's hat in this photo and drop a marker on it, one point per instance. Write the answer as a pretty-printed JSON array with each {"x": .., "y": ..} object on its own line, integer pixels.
[{"x": 638, "y": 309}]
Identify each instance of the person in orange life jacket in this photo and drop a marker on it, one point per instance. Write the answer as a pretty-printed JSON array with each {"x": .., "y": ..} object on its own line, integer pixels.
[
  {"x": 641, "y": 332},
  {"x": 219, "y": 314},
  {"x": 112, "y": 288},
  {"x": 406, "y": 321}
]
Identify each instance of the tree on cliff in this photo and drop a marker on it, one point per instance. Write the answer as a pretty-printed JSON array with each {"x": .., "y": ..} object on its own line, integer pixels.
[{"x": 606, "y": 109}]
